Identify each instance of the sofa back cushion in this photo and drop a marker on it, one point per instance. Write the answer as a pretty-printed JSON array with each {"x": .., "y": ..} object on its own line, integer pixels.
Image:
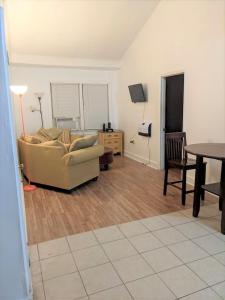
[
  {"x": 83, "y": 142},
  {"x": 56, "y": 144}
]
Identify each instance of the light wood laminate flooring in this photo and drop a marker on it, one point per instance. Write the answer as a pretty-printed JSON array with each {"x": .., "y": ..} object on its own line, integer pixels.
[{"x": 127, "y": 191}]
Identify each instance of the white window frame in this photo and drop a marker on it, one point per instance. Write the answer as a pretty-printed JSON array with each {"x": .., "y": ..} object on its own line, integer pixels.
[{"x": 81, "y": 83}]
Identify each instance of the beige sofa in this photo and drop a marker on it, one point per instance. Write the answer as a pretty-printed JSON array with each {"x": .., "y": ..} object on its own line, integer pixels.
[{"x": 54, "y": 166}]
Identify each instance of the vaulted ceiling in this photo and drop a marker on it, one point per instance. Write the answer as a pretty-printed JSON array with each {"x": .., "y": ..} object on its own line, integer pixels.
[{"x": 73, "y": 28}]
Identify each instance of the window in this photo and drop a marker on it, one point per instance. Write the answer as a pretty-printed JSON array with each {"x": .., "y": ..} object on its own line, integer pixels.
[
  {"x": 87, "y": 110},
  {"x": 66, "y": 105},
  {"x": 96, "y": 106}
]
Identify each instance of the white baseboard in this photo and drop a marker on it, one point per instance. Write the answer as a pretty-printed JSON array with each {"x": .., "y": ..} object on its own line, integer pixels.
[
  {"x": 155, "y": 165},
  {"x": 152, "y": 164}
]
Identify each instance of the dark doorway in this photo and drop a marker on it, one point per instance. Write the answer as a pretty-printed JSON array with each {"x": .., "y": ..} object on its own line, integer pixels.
[{"x": 174, "y": 100}]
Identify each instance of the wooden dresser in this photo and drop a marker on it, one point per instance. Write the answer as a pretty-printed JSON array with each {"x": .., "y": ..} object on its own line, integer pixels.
[{"x": 113, "y": 140}]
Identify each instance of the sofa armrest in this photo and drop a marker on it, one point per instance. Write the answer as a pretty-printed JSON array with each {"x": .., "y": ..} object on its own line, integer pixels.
[{"x": 82, "y": 155}]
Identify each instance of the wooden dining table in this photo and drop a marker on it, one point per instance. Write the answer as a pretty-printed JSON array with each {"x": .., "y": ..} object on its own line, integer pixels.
[{"x": 212, "y": 151}]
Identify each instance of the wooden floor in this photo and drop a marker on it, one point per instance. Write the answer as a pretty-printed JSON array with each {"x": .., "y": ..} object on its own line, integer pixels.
[{"x": 126, "y": 192}]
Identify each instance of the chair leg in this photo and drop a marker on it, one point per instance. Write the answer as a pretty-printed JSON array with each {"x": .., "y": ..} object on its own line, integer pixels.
[
  {"x": 223, "y": 216},
  {"x": 165, "y": 181},
  {"x": 203, "y": 182},
  {"x": 184, "y": 186},
  {"x": 220, "y": 203}
]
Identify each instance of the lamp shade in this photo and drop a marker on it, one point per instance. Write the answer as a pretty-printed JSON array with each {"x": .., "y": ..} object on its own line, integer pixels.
[{"x": 18, "y": 89}]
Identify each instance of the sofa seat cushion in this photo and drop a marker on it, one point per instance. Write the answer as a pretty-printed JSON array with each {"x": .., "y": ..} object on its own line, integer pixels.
[
  {"x": 83, "y": 142},
  {"x": 82, "y": 155}
]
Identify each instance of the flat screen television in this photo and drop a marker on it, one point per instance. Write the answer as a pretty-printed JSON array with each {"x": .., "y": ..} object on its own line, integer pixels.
[{"x": 137, "y": 93}]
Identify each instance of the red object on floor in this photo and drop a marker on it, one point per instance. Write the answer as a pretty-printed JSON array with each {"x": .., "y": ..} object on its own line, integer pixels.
[{"x": 29, "y": 188}]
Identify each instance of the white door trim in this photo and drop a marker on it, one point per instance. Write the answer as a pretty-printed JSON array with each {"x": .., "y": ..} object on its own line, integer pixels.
[{"x": 162, "y": 114}]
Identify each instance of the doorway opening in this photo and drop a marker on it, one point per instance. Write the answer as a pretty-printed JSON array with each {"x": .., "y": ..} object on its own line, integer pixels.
[{"x": 172, "y": 104}]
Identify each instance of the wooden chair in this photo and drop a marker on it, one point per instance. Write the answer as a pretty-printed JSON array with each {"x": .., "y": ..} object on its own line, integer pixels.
[{"x": 176, "y": 157}]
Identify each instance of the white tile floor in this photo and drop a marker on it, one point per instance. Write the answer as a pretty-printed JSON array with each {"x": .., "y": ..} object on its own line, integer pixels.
[{"x": 173, "y": 256}]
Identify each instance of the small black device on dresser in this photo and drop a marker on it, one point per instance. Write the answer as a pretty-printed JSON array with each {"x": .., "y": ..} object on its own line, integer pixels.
[{"x": 109, "y": 129}]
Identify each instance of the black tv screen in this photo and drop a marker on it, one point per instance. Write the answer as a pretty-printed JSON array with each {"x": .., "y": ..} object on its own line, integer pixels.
[{"x": 137, "y": 93}]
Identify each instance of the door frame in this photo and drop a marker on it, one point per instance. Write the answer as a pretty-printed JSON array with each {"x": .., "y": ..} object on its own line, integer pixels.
[{"x": 163, "y": 114}]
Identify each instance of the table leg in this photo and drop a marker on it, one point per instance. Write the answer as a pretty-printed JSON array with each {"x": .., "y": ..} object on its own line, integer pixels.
[
  {"x": 221, "y": 200},
  {"x": 198, "y": 180}
]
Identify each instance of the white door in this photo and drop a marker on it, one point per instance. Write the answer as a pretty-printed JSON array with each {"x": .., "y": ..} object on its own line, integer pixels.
[{"x": 15, "y": 281}]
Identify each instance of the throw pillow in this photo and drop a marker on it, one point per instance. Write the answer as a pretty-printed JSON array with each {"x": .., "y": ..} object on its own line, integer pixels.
[
  {"x": 65, "y": 136},
  {"x": 43, "y": 132},
  {"x": 54, "y": 132},
  {"x": 41, "y": 138},
  {"x": 75, "y": 137},
  {"x": 55, "y": 143},
  {"x": 84, "y": 142},
  {"x": 31, "y": 139}
]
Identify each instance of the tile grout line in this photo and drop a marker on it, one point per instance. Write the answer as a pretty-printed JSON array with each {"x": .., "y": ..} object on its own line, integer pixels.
[
  {"x": 42, "y": 280},
  {"x": 216, "y": 291},
  {"x": 77, "y": 269},
  {"x": 116, "y": 271},
  {"x": 182, "y": 297},
  {"x": 156, "y": 273},
  {"x": 175, "y": 255},
  {"x": 186, "y": 264},
  {"x": 140, "y": 253}
]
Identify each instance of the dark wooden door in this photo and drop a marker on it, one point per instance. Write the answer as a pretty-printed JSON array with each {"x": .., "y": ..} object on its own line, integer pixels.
[{"x": 174, "y": 103}]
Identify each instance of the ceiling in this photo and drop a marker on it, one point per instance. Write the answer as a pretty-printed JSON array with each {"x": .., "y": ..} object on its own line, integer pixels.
[{"x": 74, "y": 28}]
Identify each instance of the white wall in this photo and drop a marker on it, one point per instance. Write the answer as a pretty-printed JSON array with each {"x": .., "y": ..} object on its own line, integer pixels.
[
  {"x": 180, "y": 36},
  {"x": 38, "y": 79}
]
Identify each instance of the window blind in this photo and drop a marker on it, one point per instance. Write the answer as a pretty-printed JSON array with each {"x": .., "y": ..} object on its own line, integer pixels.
[
  {"x": 96, "y": 106},
  {"x": 65, "y": 100}
]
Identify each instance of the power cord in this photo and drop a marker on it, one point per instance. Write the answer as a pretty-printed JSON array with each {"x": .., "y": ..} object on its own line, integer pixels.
[{"x": 149, "y": 153}]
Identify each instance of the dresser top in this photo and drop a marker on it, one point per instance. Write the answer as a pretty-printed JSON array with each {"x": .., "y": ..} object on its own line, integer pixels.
[{"x": 114, "y": 131}]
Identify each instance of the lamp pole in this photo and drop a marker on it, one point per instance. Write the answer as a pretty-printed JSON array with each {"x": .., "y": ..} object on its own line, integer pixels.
[
  {"x": 39, "y": 96},
  {"x": 42, "y": 123},
  {"x": 20, "y": 90},
  {"x": 21, "y": 112}
]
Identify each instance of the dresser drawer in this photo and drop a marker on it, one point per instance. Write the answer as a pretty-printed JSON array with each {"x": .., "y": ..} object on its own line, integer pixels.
[
  {"x": 116, "y": 149},
  {"x": 112, "y": 135},
  {"x": 113, "y": 140}
]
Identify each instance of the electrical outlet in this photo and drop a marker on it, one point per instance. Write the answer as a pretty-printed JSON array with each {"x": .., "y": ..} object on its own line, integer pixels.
[{"x": 132, "y": 141}]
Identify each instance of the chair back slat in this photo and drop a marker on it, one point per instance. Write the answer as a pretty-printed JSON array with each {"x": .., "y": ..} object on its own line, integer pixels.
[{"x": 174, "y": 146}]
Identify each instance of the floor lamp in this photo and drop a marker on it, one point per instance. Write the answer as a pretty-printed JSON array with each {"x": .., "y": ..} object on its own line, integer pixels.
[
  {"x": 20, "y": 90},
  {"x": 40, "y": 96}
]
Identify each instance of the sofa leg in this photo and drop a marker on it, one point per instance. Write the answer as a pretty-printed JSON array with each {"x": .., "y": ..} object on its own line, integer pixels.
[{"x": 95, "y": 178}]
